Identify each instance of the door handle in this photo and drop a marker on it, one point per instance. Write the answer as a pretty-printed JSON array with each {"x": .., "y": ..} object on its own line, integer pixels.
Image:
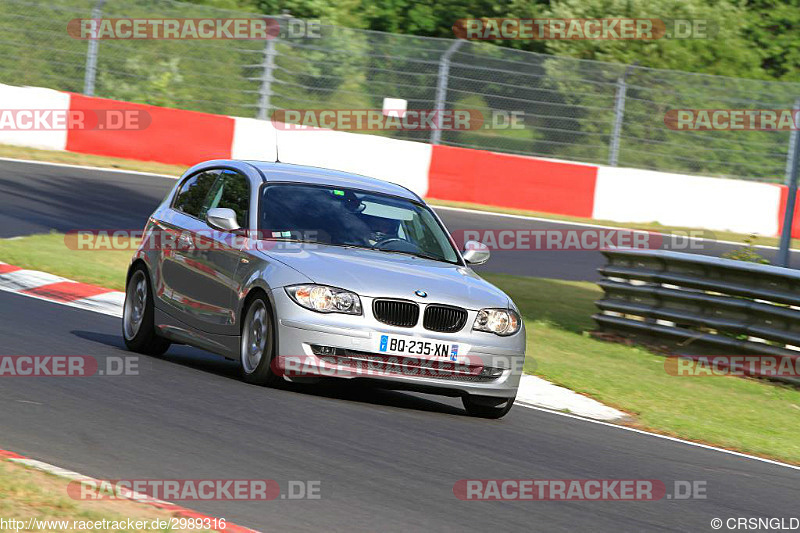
[{"x": 185, "y": 240}]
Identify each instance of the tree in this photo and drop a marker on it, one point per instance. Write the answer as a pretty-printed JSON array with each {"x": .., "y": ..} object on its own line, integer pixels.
[
  {"x": 725, "y": 52},
  {"x": 774, "y": 27}
]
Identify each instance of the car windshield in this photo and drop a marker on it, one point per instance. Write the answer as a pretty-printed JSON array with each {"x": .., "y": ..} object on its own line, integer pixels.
[{"x": 348, "y": 217}]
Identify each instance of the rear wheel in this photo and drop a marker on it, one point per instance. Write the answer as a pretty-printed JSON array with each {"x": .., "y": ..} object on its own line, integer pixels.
[
  {"x": 138, "y": 325},
  {"x": 257, "y": 344},
  {"x": 487, "y": 406}
]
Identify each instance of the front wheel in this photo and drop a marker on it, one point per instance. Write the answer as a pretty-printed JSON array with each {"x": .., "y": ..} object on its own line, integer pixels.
[
  {"x": 138, "y": 316},
  {"x": 487, "y": 406},
  {"x": 257, "y": 344}
]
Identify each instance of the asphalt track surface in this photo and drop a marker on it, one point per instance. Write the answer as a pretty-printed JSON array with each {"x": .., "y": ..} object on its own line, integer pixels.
[{"x": 385, "y": 460}]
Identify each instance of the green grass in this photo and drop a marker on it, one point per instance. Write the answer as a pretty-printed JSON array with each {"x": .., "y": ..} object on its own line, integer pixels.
[
  {"x": 50, "y": 253},
  {"x": 28, "y": 493},
  {"x": 741, "y": 414}
]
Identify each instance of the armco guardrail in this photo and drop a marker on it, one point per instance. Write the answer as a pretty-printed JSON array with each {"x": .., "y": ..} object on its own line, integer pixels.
[{"x": 718, "y": 305}]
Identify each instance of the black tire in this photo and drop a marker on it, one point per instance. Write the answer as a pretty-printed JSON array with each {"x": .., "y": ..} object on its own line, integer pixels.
[
  {"x": 487, "y": 406},
  {"x": 258, "y": 372},
  {"x": 142, "y": 338}
]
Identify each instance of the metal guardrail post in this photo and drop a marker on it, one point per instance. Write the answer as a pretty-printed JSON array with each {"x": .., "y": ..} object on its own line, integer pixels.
[
  {"x": 267, "y": 77},
  {"x": 90, "y": 71},
  {"x": 441, "y": 89},
  {"x": 792, "y": 164}
]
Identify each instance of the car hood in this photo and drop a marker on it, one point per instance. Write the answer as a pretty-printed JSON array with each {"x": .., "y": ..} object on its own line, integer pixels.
[{"x": 381, "y": 274}]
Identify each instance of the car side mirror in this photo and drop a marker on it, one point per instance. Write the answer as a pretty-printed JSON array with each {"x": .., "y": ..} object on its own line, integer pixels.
[
  {"x": 475, "y": 253},
  {"x": 222, "y": 218}
]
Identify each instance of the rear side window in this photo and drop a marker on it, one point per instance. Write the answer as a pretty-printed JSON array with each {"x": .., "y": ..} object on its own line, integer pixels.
[{"x": 191, "y": 198}]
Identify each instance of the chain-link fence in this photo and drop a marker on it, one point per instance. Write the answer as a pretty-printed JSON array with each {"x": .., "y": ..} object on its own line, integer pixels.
[{"x": 573, "y": 109}]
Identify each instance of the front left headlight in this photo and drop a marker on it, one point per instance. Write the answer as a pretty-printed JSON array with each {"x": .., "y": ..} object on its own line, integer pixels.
[
  {"x": 502, "y": 322},
  {"x": 324, "y": 299}
]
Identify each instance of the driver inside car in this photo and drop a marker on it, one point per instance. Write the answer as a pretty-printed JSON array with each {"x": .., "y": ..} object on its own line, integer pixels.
[{"x": 381, "y": 229}]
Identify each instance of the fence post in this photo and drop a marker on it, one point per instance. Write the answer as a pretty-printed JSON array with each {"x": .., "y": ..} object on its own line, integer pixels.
[
  {"x": 619, "y": 115},
  {"x": 90, "y": 72},
  {"x": 267, "y": 77},
  {"x": 441, "y": 89},
  {"x": 792, "y": 164}
]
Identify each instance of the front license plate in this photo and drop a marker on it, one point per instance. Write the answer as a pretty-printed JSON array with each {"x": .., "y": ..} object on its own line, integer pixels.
[{"x": 419, "y": 347}]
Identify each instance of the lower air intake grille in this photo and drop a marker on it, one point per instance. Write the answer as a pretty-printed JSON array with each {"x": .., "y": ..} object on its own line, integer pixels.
[
  {"x": 396, "y": 312},
  {"x": 444, "y": 318}
]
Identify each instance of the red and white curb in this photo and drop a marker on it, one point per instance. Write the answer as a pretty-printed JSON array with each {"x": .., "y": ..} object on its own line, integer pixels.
[
  {"x": 533, "y": 391},
  {"x": 537, "y": 392},
  {"x": 176, "y": 510},
  {"x": 60, "y": 290}
]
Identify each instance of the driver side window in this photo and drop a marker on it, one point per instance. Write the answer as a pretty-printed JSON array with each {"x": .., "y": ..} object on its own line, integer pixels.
[
  {"x": 215, "y": 188},
  {"x": 192, "y": 198},
  {"x": 232, "y": 191}
]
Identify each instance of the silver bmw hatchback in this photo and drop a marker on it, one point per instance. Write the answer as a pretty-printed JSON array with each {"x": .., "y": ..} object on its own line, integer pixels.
[{"x": 301, "y": 273}]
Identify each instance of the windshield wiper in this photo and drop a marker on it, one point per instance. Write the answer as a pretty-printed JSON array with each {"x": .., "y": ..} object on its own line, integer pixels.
[
  {"x": 360, "y": 247},
  {"x": 319, "y": 243},
  {"x": 414, "y": 254}
]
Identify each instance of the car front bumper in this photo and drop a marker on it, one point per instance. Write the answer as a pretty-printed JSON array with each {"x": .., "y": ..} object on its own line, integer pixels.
[{"x": 314, "y": 344}]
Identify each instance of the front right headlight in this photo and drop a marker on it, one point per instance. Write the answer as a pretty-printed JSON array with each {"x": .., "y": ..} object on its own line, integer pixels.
[
  {"x": 324, "y": 299},
  {"x": 502, "y": 322}
]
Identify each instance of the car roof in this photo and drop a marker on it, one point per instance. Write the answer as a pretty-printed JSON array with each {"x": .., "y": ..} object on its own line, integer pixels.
[{"x": 323, "y": 176}]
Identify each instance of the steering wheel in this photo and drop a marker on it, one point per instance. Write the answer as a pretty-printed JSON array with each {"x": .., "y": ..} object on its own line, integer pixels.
[{"x": 387, "y": 241}]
